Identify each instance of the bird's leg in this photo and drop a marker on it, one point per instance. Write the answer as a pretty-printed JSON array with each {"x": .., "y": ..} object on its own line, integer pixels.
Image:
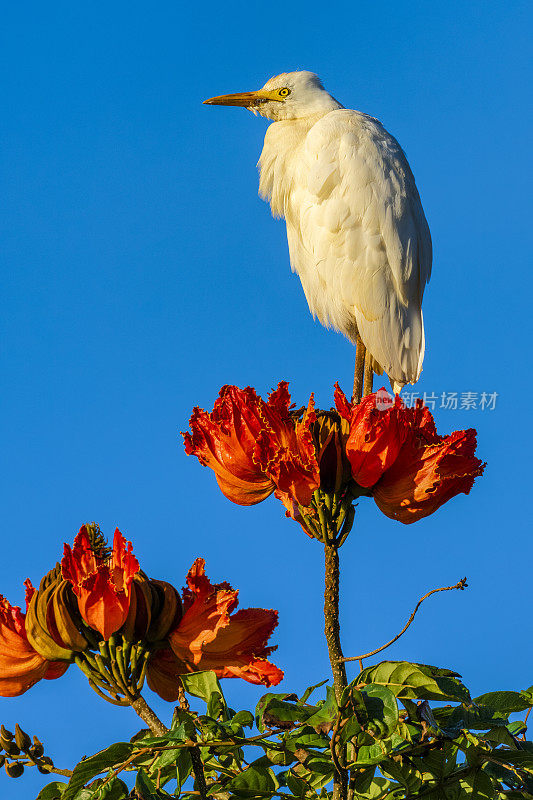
[
  {"x": 369, "y": 374},
  {"x": 359, "y": 370}
]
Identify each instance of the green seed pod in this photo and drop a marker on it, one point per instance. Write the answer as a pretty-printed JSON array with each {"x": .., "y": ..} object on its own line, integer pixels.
[
  {"x": 22, "y": 739},
  {"x": 14, "y": 769}
]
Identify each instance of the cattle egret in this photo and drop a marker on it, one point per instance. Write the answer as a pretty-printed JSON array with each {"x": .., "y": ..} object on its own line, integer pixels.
[{"x": 357, "y": 234}]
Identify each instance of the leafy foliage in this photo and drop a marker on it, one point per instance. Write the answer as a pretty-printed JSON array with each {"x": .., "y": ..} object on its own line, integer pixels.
[{"x": 384, "y": 734}]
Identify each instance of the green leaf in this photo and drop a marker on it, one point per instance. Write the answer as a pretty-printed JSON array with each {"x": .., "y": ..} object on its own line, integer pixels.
[
  {"x": 306, "y": 737},
  {"x": 100, "y": 762},
  {"x": 309, "y": 691},
  {"x": 297, "y": 785},
  {"x": 412, "y": 681},
  {"x": 373, "y": 754},
  {"x": 518, "y": 758},
  {"x": 256, "y": 781},
  {"x": 144, "y": 787},
  {"x": 323, "y": 719},
  {"x": 404, "y": 773},
  {"x": 52, "y": 791},
  {"x": 183, "y": 767},
  {"x": 202, "y": 685},
  {"x": 480, "y": 786},
  {"x": 244, "y": 719},
  {"x": 318, "y": 771},
  {"x": 382, "y": 710},
  {"x": 377, "y": 788},
  {"x": 115, "y": 789},
  {"x": 274, "y": 711},
  {"x": 517, "y": 727},
  {"x": 454, "y": 718},
  {"x": 503, "y": 701}
]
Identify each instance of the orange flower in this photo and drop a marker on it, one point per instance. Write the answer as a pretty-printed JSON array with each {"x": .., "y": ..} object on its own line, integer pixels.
[
  {"x": 102, "y": 585},
  {"x": 285, "y": 447},
  {"x": 210, "y": 637},
  {"x": 378, "y": 428},
  {"x": 224, "y": 440},
  {"x": 20, "y": 665},
  {"x": 255, "y": 446},
  {"x": 429, "y": 469}
]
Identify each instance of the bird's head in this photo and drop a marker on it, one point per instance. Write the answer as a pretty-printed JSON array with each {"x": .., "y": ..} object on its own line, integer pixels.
[{"x": 291, "y": 95}]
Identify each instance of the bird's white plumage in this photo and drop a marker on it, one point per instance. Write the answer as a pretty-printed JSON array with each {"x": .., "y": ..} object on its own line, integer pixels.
[{"x": 357, "y": 234}]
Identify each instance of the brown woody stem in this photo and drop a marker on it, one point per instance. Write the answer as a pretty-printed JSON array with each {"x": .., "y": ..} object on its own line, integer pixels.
[
  {"x": 141, "y": 707},
  {"x": 332, "y": 632}
]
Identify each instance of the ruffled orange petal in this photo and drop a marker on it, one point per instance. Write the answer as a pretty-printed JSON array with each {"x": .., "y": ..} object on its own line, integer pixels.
[
  {"x": 425, "y": 476},
  {"x": 206, "y": 611},
  {"x": 286, "y": 450},
  {"x": 378, "y": 428},
  {"x": 224, "y": 441},
  {"x": 103, "y": 587},
  {"x": 210, "y": 637}
]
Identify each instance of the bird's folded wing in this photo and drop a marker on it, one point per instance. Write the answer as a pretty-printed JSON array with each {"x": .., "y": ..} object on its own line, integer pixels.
[{"x": 359, "y": 238}]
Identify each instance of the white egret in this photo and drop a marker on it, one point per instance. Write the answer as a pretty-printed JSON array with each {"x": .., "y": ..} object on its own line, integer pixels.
[{"x": 357, "y": 234}]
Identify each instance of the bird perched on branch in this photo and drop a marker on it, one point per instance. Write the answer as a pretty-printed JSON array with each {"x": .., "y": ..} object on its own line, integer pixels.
[{"x": 357, "y": 234}]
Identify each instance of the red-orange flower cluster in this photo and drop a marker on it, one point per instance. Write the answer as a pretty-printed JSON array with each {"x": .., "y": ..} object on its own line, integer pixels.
[
  {"x": 210, "y": 637},
  {"x": 255, "y": 447},
  {"x": 97, "y": 594},
  {"x": 397, "y": 452},
  {"x": 392, "y": 451}
]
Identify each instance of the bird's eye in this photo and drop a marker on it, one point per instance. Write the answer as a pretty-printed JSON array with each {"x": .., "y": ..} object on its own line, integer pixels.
[{"x": 284, "y": 92}]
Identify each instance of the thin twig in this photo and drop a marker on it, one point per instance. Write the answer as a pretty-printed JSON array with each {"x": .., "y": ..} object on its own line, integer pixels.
[
  {"x": 525, "y": 722},
  {"x": 462, "y": 584}
]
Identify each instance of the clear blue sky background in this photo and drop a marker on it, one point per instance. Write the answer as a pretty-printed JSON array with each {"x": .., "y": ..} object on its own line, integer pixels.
[{"x": 141, "y": 272}]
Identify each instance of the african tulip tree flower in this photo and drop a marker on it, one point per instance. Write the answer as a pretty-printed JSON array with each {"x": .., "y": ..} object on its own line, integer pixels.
[
  {"x": 102, "y": 585},
  {"x": 99, "y": 610},
  {"x": 397, "y": 453},
  {"x": 255, "y": 446},
  {"x": 225, "y": 439},
  {"x": 317, "y": 462},
  {"x": 20, "y": 665},
  {"x": 427, "y": 473},
  {"x": 377, "y": 430},
  {"x": 210, "y": 636}
]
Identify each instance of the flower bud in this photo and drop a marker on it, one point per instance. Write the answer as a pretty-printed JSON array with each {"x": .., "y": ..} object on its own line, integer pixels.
[
  {"x": 22, "y": 739},
  {"x": 37, "y": 620},
  {"x": 5, "y": 735},
  {"x": 330, "y": 432},
  {"x": 11, "y": 748},
  {"x": 166, "y": 610}
]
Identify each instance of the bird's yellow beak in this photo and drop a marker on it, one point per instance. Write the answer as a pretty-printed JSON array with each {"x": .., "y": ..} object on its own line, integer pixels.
[{"x": 244, "y": 99}]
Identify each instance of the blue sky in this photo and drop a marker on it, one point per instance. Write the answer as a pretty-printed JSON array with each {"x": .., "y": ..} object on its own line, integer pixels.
[{"x": 142, "y": 272}]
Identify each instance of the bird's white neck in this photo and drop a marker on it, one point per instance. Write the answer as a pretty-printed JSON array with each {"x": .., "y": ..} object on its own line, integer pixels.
[{"x": 283, "y": 141}]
